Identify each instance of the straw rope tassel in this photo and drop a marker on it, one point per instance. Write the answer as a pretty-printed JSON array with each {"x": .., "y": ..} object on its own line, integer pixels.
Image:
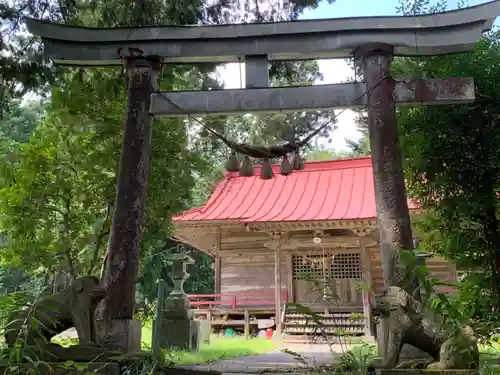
[
  {"x": 233, "y": 163},
  {"x": 266, "y": 172},
  {"x": 298, "y": 163},
  {"x": 286, "y": 167},
  {"x": 246, "y": 169}
]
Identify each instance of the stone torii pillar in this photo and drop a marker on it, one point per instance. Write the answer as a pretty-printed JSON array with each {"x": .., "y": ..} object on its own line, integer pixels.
[
  {"x": 123, "y": 255},
  {"x": 390, "y": 192}
]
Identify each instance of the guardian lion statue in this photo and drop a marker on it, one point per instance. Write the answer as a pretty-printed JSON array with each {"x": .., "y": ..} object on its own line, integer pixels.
[
  {"x": 407, "y": 323},
  {"x": 51, "y": 315}
]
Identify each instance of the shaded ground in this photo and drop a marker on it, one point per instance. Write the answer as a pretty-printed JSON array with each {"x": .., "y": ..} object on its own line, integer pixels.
[{"x": 313, "y": 355}]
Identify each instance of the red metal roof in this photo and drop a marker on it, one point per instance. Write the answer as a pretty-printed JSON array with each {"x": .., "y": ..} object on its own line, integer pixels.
[{"x": 323, "y": 191}]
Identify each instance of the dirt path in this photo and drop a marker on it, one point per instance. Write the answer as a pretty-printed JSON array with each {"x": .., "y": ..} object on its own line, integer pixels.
[{"x": 314, "y": 355}]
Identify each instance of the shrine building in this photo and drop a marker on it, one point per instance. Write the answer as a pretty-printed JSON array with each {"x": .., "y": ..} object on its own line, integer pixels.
[{"x": 265, "y": 235}]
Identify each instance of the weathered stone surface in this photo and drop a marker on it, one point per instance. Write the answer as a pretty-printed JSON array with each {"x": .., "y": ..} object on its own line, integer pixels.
[
  {"x": 50, "y": 315},
  {"x": 407, "y": 323},
  {"x": 408, "y": 352},
  {"x": 120, "y": 334},
  {"x": 459, "y": 351},
  {"x": 127, "y": 225},
  {"x": 203, "y": 331},
  {"x": 181, "y": 334},
  {"x": 286, "y": 99}
]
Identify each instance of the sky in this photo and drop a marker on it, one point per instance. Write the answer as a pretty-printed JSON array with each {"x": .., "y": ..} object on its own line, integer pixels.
[{"x": 335, "y": 71}]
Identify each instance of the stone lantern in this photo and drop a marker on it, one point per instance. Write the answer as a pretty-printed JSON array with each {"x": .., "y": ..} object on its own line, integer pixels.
[{"x": 177, "y": 329}]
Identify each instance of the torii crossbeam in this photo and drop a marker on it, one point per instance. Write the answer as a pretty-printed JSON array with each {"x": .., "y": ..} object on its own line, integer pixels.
[{"x": 373, "y": 41}]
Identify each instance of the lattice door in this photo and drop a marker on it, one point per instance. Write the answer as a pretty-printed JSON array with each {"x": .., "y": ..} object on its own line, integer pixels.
[
  {"x": 346, "y": 277},
  {"x": 309, "y": 273},
  {"x": 329, "y": 278}
]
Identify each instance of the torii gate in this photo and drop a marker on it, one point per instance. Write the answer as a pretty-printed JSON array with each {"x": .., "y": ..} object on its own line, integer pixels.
[{"x": 373, "y": 41}]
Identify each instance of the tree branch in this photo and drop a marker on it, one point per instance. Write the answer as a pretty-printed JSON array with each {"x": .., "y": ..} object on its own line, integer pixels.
[
  {"x": 105, "y": 230},
  {"x": 67, "y": 251}
]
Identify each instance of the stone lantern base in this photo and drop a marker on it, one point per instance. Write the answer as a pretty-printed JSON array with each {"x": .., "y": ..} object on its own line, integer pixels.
[{"x": 183, "y": 334}]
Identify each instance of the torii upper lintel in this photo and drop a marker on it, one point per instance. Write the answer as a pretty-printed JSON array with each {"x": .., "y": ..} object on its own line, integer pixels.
[{"x": 297, "y": 40}]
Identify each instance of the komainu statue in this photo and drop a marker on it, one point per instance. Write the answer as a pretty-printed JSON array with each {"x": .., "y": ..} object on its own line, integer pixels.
[
  {"x": 51, "y": 315},
  {"x": 407, "y": 323}
]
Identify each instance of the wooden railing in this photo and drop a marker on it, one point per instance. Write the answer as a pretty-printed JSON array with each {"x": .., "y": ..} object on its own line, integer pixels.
[{"x": 235, "y": 300}]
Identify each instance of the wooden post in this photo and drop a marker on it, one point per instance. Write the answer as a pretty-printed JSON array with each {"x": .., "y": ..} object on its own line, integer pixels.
[
  {"x": 124, "y": 244},
  {"x": 277, "y": 289},
  {"x": 289, "y": 277},
  {"x": 209, "y": 318},
  {"x": 390, "y": 193},
  {"x": 275, "y": 244},
  {"x": 366, "y": 264},
  {"x": 247, "y": 325},
  {"x": 217, "y": 280}
]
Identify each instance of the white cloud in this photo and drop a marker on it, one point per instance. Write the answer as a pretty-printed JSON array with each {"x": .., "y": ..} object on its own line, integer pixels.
[{"x": 334, "y": 71}]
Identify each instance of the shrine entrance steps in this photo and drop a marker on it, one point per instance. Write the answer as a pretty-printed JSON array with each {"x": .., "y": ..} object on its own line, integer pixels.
[
  {"x": 330, "y": 327},
  {"x": 336, "y": 326}
]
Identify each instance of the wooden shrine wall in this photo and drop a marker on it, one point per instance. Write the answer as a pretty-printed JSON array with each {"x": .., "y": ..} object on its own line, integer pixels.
[
  {"x": 438, "y": 267},
  {"x": 247, "y": 266},
  {"x": 251, "y": 274}
]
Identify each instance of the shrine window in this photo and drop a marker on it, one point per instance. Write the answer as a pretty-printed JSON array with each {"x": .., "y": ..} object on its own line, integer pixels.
[
  {"x": 308, "y": 267},
  {"x": 346, "y": 266},
  {"x": 336, "y": 265}
]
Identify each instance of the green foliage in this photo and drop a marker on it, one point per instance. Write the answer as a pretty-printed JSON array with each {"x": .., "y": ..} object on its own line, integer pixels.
[
  {"x": 57, "y": 205},
  {"x": 361, "y": 147},
  {"x": 452, "y": 165},
  {"x": 19, "y": 120},
  {"x": 156, "y": 267},
  {"x": 50, "y": 211},
  {"x": 357, "y": 360}
]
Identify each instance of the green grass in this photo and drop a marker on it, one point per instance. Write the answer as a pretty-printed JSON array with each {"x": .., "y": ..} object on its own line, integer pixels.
[
  {"x": 490, "y": 353},
  {"x": 219, "y": 348},
  {"x": 222, "y": 348}
]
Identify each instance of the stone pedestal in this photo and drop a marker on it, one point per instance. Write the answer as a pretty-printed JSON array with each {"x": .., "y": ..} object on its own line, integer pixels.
[
  {"x": 123, "y": 334},
  {"x": 179, "y": 334},
  {"x": 409, "y": 352},
  {"x": 204, "y": 331}
]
